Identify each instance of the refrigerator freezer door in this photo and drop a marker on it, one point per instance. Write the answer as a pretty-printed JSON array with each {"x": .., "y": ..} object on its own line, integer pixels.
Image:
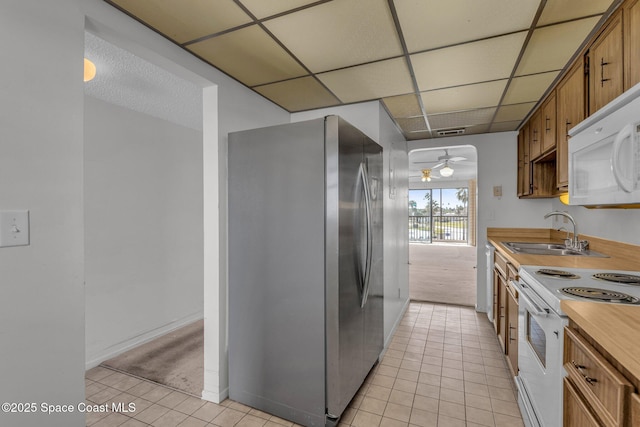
[{"x": 352, "y": 327}]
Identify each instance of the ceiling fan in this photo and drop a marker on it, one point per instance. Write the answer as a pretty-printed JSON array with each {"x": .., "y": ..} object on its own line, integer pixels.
[
  {"x": 444, "y": 163},
  {"x": 426, "y": 175}
]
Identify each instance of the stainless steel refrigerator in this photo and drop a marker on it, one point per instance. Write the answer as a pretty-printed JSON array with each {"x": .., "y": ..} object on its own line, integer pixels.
[{"x": 305, "y": 267}]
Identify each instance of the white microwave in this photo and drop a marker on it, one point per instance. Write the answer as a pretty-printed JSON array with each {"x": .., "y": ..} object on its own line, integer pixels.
[{"x": 604, "y": 154}]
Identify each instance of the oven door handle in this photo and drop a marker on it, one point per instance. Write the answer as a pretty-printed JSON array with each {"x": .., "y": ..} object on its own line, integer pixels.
[{"x": 536, "y": 310}]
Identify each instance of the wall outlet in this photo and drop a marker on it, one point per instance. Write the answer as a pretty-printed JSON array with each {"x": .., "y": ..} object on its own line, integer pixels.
[{"x": 14, "y": 228}]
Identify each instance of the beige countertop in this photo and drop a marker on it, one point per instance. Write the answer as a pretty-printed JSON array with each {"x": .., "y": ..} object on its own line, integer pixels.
[
  {"x": 621, "y": 256},
  {"x": 615, "y": 327}
]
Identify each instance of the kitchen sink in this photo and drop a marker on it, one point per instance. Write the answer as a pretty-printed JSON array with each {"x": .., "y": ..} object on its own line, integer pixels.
[{"x": 548, "y": 248}]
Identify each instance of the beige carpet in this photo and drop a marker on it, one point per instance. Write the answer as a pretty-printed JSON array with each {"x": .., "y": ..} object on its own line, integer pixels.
[
  {"x": 175, "y": 359},
  {"x": 444, "y": 273}
]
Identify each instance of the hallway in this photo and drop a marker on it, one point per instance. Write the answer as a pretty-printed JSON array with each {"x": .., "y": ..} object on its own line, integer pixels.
[{"x": 443, "y": 273}]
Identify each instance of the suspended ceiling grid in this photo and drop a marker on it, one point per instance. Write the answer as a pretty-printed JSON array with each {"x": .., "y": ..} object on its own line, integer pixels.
[{"x": 469, "y": 65}]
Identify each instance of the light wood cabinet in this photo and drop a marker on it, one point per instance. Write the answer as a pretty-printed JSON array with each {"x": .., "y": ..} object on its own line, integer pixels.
[
  {"x": 631, "y": 14},
  {"x": 524, "y": 163},
  {"x": 570, "y": 104},
  {"x": 576, "y": 413},
  {"x": 548, "y": 123},
  {"x": 606, "y": 65},
  {"x": 600, "y": 386},
  {"x": 500, "y": 308},
  {"x": 535, "y": 136},
  {"x": 512, "y": 329},
  {"x": 635, "y": 409}
]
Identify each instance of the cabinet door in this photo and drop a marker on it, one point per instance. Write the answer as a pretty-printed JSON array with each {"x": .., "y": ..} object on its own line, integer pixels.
[
  {"x": 512, "y": 332},
  {"x": 605, "y": 66},
  {"x": 576, "y": 412},
  {"x": 520, "y": 184},
  {"x": 525, "y": 177},
  {"x": 570, "y": 102},
  {"x": 496, "y": 296},
  {"x": 631, "y": 26},
  {"x": 548, "y": 123},
  {"x": 535, "y": 137},
  {"x": 502, "y": 312}
]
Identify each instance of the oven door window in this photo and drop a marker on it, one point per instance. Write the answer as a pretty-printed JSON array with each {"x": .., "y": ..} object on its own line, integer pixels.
[{"x": 537, "y": 339}]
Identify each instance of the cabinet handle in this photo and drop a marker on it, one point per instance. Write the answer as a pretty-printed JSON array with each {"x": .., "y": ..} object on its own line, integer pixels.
[
  {"x": 580, "y": 369},
  {"x": 566, "y": 127},
  {"x": 602, "y": 79},
  {"x": 510, "y": 329},
  {"x": 547, "y": 126}
]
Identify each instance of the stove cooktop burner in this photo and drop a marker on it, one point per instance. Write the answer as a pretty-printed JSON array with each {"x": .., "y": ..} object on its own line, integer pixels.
[
  {"x": 601, "y": 295},
  {"x": 626, "y": 279},
  {"x": 560, "y": 274}
]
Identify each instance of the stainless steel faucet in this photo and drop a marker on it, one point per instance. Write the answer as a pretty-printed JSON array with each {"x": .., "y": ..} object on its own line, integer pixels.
[{"x": 575, "y": 243}]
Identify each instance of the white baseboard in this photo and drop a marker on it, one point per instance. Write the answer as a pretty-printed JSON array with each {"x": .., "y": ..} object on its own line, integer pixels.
[
  {"x": 396, "y": 324},
  {"x": 214, "y": 397},
  {"x": 121, "y": 347}
]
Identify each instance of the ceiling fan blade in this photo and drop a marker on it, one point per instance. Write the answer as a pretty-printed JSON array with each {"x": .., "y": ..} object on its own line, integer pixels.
[
  {"x": 457, "y": 159},
  {"x": 438, "y": 165}
]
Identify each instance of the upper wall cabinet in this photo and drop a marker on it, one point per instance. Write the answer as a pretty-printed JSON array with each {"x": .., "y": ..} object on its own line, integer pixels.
[
  {"x": 631, "y": 14},
  {"x": 605, "y": 65},
  {"x": 549, "y": 123},
  {"x": 570, "y": 95}
]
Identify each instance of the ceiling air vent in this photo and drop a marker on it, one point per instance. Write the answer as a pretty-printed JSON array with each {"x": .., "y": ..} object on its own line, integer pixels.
[{"x": 449, "y": 132}]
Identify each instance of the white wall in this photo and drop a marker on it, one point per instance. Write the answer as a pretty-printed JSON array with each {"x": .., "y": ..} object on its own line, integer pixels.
[
  {"x": 614, "y": 224},
  {"x": 497, "y": 165},
  {"x": 374, "y": 121},
  {"x": 143, "y": 228},
  {"x": 396, "y": 237},
  {"x": 42, "y": 296}
]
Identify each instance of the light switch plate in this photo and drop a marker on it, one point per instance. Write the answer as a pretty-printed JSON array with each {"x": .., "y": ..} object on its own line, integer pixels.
[
  {"x": 497, "y": 191},
  {"x": 14, "y": 228}
]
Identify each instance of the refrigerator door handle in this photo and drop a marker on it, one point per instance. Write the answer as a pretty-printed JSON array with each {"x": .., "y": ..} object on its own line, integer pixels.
[{"x": 362, "y": 171}]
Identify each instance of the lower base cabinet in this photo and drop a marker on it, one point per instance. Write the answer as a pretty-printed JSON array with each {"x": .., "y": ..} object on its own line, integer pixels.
[{"x": 576, "y": 412}]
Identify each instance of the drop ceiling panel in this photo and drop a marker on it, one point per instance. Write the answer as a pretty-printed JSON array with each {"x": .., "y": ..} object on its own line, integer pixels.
[
  {"x": 418, "y": 135},
  {"x": 485, "y": 60},
  {"x": 338, "y": 34},
  {"x": 428, "y": 24},
  {"x": 249, "y": 55},
  {"x": 505, "y": 126},
  {"x": 514, "y": 112},
  {"x": 186, "y": 20},
  {"x": 299, "y": 94},
  {"x": 550, "y": 48},
  {"x": 415, "y": 124},
  {"x": 461, "y": 118},
  {"x": 370, "y": 81},
  {"x": 529, "y": 88},
  {"x": 262, "y": 9},
  {"x": 464, "y": 97},
  {"x": 557, "y": 11},
  {"x": 403, "y": 106}
]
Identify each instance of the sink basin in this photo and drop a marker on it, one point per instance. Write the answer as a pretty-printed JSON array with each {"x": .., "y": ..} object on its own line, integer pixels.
[{"x": 548, "y": 248}]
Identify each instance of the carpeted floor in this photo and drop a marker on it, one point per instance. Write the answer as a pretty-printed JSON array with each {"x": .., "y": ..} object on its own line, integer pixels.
[
  {"x": 444, "y": 273},
  {"x": 175, "y": 359}
]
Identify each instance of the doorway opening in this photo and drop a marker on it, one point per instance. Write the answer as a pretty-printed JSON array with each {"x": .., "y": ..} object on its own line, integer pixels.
[
  {"x": 146, "y": 134},
  {"x": 442, "y": 225}
]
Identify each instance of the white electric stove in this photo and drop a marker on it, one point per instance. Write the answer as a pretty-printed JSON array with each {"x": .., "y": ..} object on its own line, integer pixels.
[{"x": 540, "y": 329}]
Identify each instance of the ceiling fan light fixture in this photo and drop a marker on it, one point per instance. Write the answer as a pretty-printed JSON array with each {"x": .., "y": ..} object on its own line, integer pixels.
[
  {"x": 426, "y": 175},
  {"x": 446, "y": 171}
]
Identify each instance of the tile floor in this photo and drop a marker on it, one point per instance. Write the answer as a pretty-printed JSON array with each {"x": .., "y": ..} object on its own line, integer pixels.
[{"x": 443, "y": 368}]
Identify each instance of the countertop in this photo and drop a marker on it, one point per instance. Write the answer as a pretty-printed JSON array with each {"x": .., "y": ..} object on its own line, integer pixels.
[
  {"x": 615, "y": 327},
  {"x": 621, "y": 256}
]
